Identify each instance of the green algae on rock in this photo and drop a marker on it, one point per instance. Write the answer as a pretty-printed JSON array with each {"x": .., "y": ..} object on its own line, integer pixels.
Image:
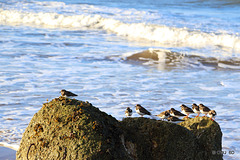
[
  {"x": 151, "y": 139},
  {"x": 70, "y": 129},
  {"x": 193, "y": 139},
  {"x": 209, "y": 136}
]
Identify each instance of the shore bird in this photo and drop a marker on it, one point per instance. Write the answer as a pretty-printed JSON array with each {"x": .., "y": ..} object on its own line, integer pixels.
[
  {"x": 195, "y": 109},
  {"x": 142, "y": 111},
  {"x": 164, "y": 115},
  {"x": 186, "y": 110},
  {"x": 66, "y": 93},
  {"x": 128, "y": 112},
  {"x": 204, "y": 109},
  {"x": 212, "y": 114},
  {"x": 174, "y": 119},
  {"x": 176, "y": 113}
]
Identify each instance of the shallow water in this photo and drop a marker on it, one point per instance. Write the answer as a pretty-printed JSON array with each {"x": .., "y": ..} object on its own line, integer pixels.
[{"x": 93, "y": 48}]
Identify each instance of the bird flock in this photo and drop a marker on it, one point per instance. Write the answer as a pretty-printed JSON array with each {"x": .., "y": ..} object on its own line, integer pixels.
[{"x": 174, "y": 115}]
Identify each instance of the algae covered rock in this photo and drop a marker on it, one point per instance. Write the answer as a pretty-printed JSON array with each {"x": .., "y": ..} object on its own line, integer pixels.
[
  {"x": 209, "y": 136},
  {"x": 159, "y": 140},
  {"x": 70, "y": 129},
  {"x": 194, "y": 139}
]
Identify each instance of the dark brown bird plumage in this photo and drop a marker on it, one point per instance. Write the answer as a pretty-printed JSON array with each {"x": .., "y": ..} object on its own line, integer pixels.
[
  {"x": 128, "y": 112},
  {"x": 186, "y": 110},
  {"x": 204, "y": 109},
  {"x": 212, "y": 114},
  {"x": 164, "y": 115},
  {"x": 195, "y": 109},
  {"x": 141, "y": 110},
  {"x": 174, "y": 119},
  {"x": 176, "y": 113},
  {"x": 66, "y": 93}
]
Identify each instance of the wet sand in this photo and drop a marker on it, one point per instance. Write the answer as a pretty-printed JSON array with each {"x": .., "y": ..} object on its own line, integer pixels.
[{"x": 7, "y": 153}]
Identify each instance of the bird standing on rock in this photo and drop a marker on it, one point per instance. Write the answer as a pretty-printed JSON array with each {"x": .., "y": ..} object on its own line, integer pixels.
[
  {"x": 174, "y": 119},
  {"x": 164, "y": 115},
  {"x": 128, "y": 112},
  {"x": 65, "y": 93},
  {"x": 176, "y": 113},
  {"x": 186, "y": 110},
  {"x": 195, "y": 109},
  {"x": 204, "y": 109},
  {"x": 142, "y": 111},
  {"x": 212, "y": 114}
]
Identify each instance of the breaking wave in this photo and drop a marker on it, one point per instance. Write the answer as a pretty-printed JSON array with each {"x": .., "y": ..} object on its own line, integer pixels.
[
  {"x": 162, "y": 35},
  {"x": 168, "y": 59}
]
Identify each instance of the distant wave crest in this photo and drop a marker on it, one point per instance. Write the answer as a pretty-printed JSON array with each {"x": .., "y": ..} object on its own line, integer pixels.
[
  {"x": 180, "y": 37},
  {"x": 168, "y": 59}
]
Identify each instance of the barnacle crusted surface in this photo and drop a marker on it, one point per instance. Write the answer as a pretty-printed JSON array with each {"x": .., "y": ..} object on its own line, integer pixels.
[
  {"x": 152, "y": 139},
  {"x": 193, "y": 139},
  {"x": 209, "y": 135},
  {"x": 70, "y": 129}
]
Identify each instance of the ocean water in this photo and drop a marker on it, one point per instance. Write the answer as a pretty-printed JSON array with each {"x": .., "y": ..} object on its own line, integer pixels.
[{"x": 116, "y": 54}]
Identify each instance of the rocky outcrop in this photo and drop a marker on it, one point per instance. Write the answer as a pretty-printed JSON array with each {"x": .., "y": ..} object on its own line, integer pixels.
[
  {"x": 70, "y": 129},
  {"x": 209, "y": 136},
  {"x": 193, "y": 139},
  {"x": 151, "y": 139}
]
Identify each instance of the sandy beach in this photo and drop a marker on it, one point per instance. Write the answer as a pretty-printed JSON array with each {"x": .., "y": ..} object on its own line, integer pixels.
[{"x": 7, "y": 153}]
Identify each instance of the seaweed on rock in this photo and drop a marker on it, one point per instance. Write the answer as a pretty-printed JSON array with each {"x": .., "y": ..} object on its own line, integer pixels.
[{"x": 71, "y": 129}]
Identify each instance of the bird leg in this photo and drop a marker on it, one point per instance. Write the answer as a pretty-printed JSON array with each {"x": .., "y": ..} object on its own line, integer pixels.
[{"x": 213, "y": 119}]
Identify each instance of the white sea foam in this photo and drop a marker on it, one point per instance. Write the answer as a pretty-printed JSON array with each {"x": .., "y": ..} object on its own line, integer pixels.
[
  {"x": 163, "y": 35},
  {"x": 36, "y": 63},
  {"x": 228, "y": 66},
  {"x": 12, "y": 146}
]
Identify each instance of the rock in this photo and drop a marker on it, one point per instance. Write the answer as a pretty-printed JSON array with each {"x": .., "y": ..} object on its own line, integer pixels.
[
  {"x": 198, "y": 138},
  {"x": 145, "y": 54},
  {"x": 70, "y": 129},
  {"x": 209, "y": 136},
  {"x": 158, "y": 140}
]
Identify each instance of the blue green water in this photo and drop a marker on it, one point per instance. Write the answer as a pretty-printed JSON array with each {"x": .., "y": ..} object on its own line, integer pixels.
[{"x": 86, "y": 47}]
